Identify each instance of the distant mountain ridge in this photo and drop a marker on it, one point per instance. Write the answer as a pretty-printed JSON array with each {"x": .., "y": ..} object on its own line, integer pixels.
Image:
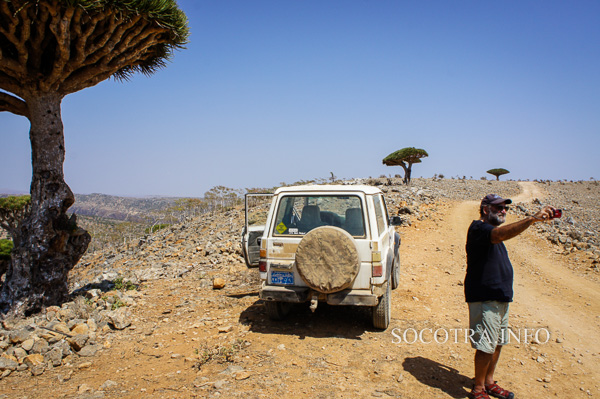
[
  {"x": 119, "y": 208},
  {"x": 5, "y": 192},
  {"x": 111, "y": 206}
]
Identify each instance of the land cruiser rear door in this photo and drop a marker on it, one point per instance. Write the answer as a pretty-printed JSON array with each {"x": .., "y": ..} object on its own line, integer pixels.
[
  {"x": 385, "y": 234},
  {"x": 253, "y": 227}
]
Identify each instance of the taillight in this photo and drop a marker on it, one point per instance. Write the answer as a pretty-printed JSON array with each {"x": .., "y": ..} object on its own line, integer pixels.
[
  {"x": 262, "y": 263},
  {"x": 377, "y": 270}
]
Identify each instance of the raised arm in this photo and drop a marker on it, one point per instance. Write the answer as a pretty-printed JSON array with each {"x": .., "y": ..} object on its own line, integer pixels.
[{"x": 506, "y": 232}]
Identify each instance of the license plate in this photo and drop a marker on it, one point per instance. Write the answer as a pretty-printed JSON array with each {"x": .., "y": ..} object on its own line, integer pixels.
[{"x": 283, "y": 278}]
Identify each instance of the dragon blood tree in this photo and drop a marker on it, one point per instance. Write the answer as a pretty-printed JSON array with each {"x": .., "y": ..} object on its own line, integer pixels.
[
  {"x": 405, "y": 157},
  {"x": 497, "y": 172},
  {"x": 49, "y": 49}
]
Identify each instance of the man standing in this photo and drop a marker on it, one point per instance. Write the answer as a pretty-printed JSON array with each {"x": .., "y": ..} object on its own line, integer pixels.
[{"x": 489, "y": 288}]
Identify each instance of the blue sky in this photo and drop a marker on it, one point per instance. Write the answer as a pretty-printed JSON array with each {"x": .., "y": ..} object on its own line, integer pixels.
[{"x": 280, "y": 91}]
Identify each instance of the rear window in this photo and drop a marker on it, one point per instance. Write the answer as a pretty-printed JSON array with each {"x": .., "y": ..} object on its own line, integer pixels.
[{"x": 297, "y": 215}]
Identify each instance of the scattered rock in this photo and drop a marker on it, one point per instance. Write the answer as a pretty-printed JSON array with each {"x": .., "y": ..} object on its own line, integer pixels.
[
  {"x": 27, "y": 345},
  {"x": 8, "y": 364},
  {"x": 232, "y": 369},
  {"x": 119, "y": 319},
  {"x": 218, "y": 283},
  {"x": 243, "y": 375},
  {"x": 18, "y": 336},
  {"x": 54, "y": 357},
  {"x": 219, "y": 384},
  {"x": 33, "y": 360},
  {"x": 84, "y": 365},
  {"x": 40, "y": 346},
  {"x": 225, "y": 329},
  {"x": 89, "y": 350},
  {"x": 78, "y": 342},
  {"x": 84, "y": 388},
  {"x": 108, "y": 384}
]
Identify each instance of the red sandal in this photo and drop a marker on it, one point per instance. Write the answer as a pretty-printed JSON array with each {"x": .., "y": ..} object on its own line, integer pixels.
[
  {"x": 498, "y": 392},
  {"x": 478, "y": 395}
]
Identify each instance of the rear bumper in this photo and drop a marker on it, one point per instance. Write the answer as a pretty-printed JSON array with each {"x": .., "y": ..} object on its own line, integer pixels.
[
  {"x": 283, "y": 294},
  {"x": 302, "y": 294},
  {"x": 353, "y": 297}
]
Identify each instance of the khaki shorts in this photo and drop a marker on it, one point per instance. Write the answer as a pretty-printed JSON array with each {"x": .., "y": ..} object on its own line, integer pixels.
[{"x": 489, "y": 325}]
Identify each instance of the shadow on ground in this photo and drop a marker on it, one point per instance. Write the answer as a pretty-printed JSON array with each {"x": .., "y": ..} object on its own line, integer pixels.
[
  {"x": 349, "y": 322},
  {"x": 438, "y": 376}
]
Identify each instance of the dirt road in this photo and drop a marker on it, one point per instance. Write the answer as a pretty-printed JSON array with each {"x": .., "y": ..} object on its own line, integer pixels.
[{"x": 183, "y": 336}]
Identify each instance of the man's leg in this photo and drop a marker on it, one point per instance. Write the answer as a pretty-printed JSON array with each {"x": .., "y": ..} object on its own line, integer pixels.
[
  {"x": 489, "y": 377},
  {"x": 485, "y": 365}
]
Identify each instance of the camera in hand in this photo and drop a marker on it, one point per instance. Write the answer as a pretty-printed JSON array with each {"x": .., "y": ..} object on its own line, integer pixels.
[{"x": 557, "y": 213}]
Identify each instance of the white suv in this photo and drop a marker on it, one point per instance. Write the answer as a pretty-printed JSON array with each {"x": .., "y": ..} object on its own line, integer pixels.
[{"x": 326, "y": 243}]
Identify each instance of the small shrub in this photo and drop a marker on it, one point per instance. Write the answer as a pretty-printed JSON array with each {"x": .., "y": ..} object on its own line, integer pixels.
[
  {"x": 118, "y": 303},
  {"x": 220, "y": 353},
  {"x": 156, "y": 227},
  {"x": 122, "y": 285}
]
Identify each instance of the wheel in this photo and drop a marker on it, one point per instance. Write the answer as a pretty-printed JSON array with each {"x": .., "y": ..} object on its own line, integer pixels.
[
  {"x": 396, "y": 271},
  {"x": 277, "y": 310},
  {"x": 383, "y": 310},
  {"x": 327, "y": 259}
]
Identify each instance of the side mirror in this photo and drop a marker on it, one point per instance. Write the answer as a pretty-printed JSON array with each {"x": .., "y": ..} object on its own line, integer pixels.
[{"x": 395, "y": 221}]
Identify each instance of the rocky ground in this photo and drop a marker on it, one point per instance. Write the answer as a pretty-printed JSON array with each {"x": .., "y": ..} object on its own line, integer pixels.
[{"x": 178, "y": 314}]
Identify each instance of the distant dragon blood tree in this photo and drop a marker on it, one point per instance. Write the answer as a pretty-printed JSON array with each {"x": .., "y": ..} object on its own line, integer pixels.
[
  {"x": 49, "y": 49},
  {"x": 405, "y": 157},
  {"x": 497, "y": 172}
]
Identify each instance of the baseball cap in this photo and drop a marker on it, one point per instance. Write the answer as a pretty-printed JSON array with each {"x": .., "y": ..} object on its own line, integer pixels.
[{"x": 493, "y": 199}]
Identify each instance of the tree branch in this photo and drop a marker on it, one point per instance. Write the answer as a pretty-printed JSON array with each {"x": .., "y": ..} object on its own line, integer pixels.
[
  {"x": 98, "y": 53},
  {"x": 81, "y": 36},
  {"x": 99, "y": 43},
  {"x": 41, "y": 16},
  {"x": 90, "y": 74},
  {"x": 11, "y": 84},
  {"x": 61, "y": 31},
  {"x": 10, "y": 34},
  {"x": 13, "y": 104}
]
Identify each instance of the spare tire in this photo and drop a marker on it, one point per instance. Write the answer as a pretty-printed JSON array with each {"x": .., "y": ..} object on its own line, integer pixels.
[{"x": 327, "y": 259}]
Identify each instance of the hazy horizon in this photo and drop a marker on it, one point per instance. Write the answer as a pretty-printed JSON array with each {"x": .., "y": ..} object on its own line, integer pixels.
[{"x": 4, "y": 191}]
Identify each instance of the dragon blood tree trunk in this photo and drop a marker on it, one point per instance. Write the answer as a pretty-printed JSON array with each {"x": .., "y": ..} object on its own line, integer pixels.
[{"x": 50, "y": 242}]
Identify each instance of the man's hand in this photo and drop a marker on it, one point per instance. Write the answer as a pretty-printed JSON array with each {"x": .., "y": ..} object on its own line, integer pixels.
[{"x": 545, "y": 214}]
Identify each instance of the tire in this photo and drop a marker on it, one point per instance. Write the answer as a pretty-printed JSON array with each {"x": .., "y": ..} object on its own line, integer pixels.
[
  {"x": 277, "y": 310},
  {"x": 396, "y": 271},
  {"x": 382, "y": 312},
  {"x": 327, "y": 259}
]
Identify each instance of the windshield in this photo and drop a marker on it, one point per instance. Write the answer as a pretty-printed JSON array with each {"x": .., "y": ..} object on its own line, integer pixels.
[{"x": 297, "y": 215}]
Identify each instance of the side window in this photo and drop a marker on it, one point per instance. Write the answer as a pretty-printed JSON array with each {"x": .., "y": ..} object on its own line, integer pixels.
[
  {"x": 379, "y": 213},
  {"x": 386, "y": 214}
]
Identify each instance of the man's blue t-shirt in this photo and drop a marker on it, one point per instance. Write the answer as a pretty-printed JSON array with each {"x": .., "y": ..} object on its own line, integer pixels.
[{"x": 489, "y": 271}]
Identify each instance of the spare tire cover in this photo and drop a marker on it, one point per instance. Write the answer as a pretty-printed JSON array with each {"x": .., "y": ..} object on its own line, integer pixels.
[{"x": 327, "y": 259}]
